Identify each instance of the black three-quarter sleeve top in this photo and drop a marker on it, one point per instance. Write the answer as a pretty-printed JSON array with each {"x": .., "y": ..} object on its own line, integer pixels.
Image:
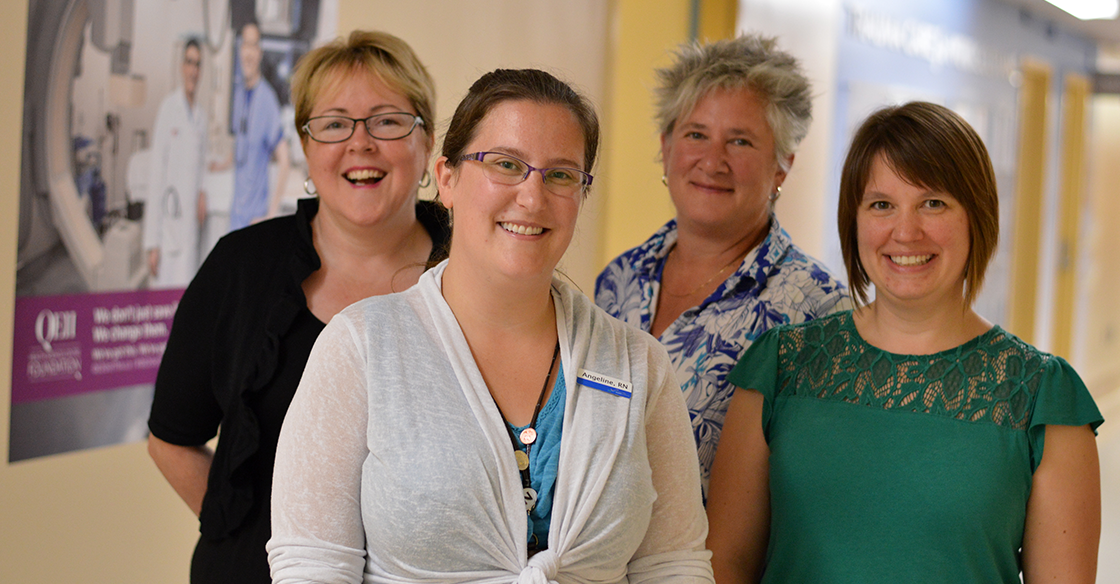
[{"x": 238, "y": 345}]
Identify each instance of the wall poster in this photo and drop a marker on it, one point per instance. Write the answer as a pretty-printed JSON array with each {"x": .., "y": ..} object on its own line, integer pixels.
[{"x": 127, "y": 181}]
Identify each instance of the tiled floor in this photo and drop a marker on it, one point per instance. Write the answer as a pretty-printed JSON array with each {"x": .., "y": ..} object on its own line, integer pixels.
[{"x": 1108, "y": 445}]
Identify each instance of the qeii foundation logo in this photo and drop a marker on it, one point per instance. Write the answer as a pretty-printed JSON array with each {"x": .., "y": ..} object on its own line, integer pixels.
[
  {"x": 59, "y": 354},
  {"x": 51, "y": 326}
]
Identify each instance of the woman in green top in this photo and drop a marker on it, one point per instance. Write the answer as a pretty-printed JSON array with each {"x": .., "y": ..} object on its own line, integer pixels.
[{"x": 903, "y": 441}]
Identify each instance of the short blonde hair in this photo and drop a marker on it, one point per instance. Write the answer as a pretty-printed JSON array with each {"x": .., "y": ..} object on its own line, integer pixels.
[{"x": 380, "y": 53}]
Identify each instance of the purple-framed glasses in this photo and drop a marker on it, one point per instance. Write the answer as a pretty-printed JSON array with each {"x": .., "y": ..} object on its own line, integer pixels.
[{"x": 511, "y": 170}]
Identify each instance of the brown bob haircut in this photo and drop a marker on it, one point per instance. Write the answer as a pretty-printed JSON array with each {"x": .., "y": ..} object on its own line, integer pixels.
[
  {"x": 932, "y": 147},
  {"x": 380, "y": 53}
]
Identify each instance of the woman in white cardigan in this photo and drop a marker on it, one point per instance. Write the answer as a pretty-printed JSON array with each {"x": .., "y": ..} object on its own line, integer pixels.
[{"x": 422, "y": 445}]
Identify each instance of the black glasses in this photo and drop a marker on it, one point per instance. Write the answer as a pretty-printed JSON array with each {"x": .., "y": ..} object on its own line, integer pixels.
[
  {"x": 510, "y": 170},
  {"x": 333, "y": 129}
]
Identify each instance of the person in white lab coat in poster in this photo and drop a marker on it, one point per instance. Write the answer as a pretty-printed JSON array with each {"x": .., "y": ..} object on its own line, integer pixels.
[{"x": 176, "y": 207}]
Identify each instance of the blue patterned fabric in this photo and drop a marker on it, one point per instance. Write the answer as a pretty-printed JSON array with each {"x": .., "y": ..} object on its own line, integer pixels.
[{"x": 777, "y": 283}]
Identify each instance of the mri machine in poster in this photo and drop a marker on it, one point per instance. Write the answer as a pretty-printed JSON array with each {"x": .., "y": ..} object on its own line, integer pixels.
[{"x": 63, "y": 193}]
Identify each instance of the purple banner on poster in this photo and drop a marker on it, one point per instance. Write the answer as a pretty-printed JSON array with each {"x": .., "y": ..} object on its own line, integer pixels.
[{"x": 69, "y": 345}]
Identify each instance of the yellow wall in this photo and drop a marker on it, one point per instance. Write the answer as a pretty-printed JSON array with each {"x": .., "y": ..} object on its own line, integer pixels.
[
  {"x": 1030, "y": 183},
  {"x": 1099, "y": 359},
  {"x": 643, "y": 35},
  {"x": 1075, "y": 102}
]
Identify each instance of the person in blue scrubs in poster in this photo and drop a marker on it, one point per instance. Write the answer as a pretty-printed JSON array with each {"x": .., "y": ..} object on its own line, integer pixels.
[{"x": 258, "y": 137}]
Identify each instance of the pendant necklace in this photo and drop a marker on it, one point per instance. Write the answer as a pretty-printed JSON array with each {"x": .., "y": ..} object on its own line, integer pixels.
[
  {"x": 528, "y": 437},
  {"x": 733, "y": 261}
]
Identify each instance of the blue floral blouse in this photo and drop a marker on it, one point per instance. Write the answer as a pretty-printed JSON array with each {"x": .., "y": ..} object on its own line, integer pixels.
[{"x": 777, "y": 283}]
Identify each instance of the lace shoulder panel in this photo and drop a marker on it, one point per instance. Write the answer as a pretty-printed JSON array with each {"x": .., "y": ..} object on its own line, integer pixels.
[{"x": 993, "y": 378}]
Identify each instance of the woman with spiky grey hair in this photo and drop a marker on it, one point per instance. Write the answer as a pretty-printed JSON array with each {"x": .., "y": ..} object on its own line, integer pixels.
[{"x": 730, "y": 114}]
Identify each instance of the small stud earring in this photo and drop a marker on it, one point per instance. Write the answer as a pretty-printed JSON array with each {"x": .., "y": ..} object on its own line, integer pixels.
[{"x": 775, "y": 195}]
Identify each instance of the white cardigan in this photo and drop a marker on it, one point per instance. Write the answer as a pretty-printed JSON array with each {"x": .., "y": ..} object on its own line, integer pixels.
[{"x": 430, "y": 492}]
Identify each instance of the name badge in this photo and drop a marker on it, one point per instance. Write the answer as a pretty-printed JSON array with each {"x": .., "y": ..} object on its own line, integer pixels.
[{"x": 603, "y": 383}]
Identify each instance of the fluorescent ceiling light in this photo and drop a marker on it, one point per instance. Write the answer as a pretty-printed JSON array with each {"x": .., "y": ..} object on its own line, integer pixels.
[{"x": 1089, "y": 9}]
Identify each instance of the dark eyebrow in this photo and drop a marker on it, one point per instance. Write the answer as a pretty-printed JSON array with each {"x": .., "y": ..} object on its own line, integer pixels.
[{"x": 552, "y": 162}]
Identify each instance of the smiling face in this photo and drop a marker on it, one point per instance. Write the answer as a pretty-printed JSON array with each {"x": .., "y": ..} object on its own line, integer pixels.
[
  {"x": 913, "y": 242},
  {"x": 720, "y": 164},
  {"x": 516, "y": 231},
  {"x": 364, "y": 180}
]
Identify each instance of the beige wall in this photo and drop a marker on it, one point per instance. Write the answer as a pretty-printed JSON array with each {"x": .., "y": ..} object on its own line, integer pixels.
[{"x": 459, "y": 41}]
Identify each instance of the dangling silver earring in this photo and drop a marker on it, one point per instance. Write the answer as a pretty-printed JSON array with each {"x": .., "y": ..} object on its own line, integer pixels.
[
  {"x": 664, "y": 180},
  {"x": 426, "y": 180},
  {"x": 774, "y": 196},
  {"x": 307, "y": 187}
]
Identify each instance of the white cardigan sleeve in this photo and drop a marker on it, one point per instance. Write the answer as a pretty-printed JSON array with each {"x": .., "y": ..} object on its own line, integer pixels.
[
  {"x": 317, "y": 533},
  {"x": 674, "y": 546}
]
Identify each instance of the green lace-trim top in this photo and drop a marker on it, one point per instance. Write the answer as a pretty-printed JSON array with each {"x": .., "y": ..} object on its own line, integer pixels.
[{"x": 891, "y": 468}]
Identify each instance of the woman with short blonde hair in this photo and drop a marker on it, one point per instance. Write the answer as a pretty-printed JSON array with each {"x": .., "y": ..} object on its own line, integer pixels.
[
  {"x": 723, "y": 271},
  {"x": 245, "y": 325}
]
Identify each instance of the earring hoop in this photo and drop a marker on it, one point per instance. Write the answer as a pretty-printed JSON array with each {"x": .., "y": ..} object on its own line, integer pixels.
[
  {"x": 426, "y": 180},
  {"x": 664, "y": 180},
  {"x": 775, "y": 195},
  {"x": 307, "y": 188}
]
